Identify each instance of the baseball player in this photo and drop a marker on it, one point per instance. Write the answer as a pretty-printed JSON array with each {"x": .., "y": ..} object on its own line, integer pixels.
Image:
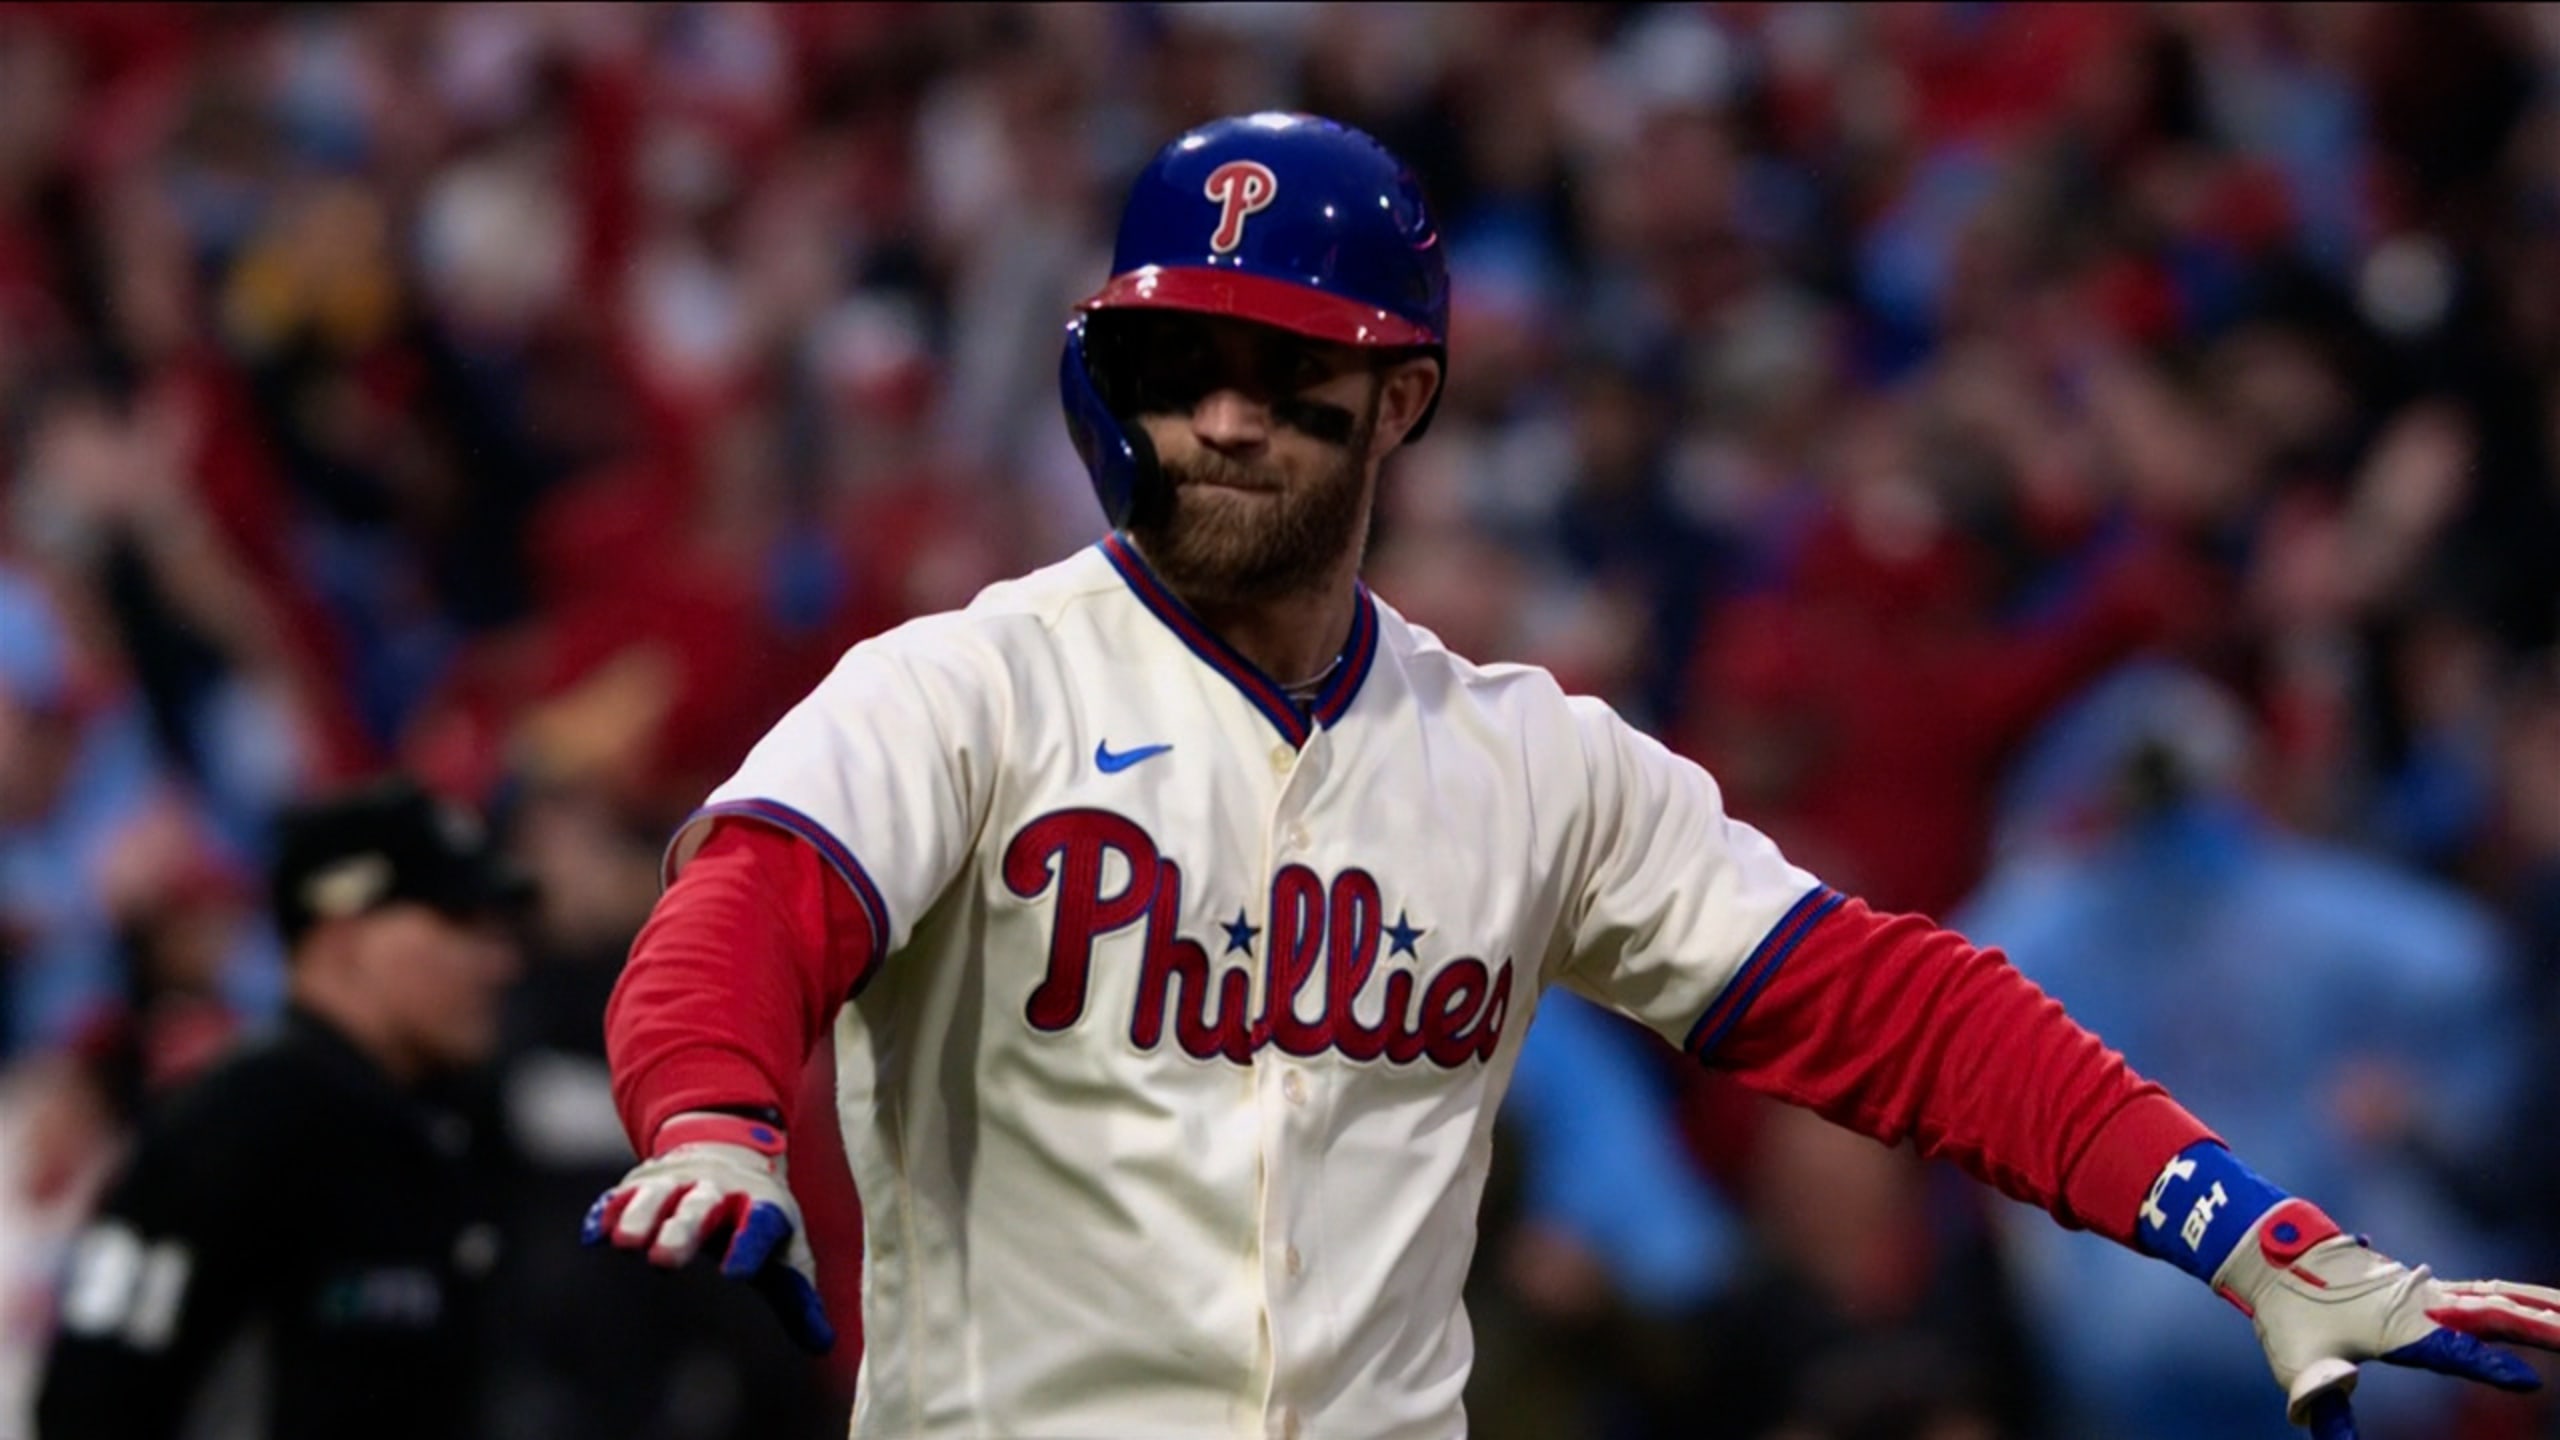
[{"x": 1177, "y": 911}]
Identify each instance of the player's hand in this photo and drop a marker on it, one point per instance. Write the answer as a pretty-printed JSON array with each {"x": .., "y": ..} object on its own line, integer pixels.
[
  {"x": 2324, "y": 1302},
  {"x": 714, "y": 1175}
]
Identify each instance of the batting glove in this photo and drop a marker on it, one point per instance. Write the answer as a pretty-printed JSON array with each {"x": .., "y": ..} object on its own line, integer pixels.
[
  {"x": 712, "y": 1175},
  {"x": 2324, "y": 1302}
]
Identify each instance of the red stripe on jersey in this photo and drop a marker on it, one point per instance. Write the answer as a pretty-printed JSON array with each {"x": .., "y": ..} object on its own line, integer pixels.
[{"x": 1898, "y": 1028}]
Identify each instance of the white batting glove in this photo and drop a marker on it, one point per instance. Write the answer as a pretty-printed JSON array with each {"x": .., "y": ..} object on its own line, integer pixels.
[
  {"x": 2324, "y": 1302},
  {"x": 712, "y": 1175}
]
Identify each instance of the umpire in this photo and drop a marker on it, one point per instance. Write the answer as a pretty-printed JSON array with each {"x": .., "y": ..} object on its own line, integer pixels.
[{"x": 297, "y": 1246}]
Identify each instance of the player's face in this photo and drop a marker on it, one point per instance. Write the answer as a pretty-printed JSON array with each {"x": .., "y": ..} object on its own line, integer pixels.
[
  {"x": 1269, "y": 442},
  {"x": 440, "y": 980}
]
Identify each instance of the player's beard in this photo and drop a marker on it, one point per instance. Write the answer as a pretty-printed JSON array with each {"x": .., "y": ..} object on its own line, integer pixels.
[{"x": 1263, "y": 538}]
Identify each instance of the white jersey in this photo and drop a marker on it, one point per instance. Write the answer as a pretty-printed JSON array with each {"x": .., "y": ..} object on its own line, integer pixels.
[{"x": 1171, "y": 1095}]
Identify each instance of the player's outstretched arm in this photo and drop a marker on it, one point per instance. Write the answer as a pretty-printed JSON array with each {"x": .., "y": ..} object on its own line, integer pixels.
[
  {"x": 729, "y": 986},
  {"x": 1900, "y": 1028},
  {"x": 2324, "y": 1302}
]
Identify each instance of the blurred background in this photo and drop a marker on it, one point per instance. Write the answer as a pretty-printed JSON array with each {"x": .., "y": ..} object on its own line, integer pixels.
[{"x": 2084, "y": 472}]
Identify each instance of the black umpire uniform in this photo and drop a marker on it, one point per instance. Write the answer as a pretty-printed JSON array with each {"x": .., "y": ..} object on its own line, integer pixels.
[{"x": 299, "y": 1243}]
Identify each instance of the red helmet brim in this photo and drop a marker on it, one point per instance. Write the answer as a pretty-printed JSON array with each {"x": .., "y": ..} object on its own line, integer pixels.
[{"x": 1295, "y": 308}]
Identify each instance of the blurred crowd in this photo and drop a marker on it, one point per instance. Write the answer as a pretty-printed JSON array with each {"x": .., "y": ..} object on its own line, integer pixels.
[{"x": 2087, "y": 472}]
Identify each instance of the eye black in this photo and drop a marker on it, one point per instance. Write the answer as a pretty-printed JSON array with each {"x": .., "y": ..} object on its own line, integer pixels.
[
  {"x": 1315, "y": 419},
  {"x": 1165, "y": 364}
]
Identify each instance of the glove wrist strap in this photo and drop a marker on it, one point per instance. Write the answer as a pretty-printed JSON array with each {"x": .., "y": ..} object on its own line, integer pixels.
[
  {"x": 2200, "y": 1207},
  {"x": 700, "y": 1127}
]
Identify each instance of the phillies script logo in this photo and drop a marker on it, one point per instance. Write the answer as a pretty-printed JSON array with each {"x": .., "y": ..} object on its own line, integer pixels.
[
  {"x": 1241, "y": 188},
  {"x": 1319, "y": 935}
]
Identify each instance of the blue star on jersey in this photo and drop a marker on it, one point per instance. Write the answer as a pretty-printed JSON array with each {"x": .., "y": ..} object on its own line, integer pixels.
[
  {"x": 1239, "y": 933},
  {"x": 1401, "y": 935}
]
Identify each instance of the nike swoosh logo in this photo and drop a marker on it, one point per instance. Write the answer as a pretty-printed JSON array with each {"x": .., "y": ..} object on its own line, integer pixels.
[{"x": 1113, "y": 762}]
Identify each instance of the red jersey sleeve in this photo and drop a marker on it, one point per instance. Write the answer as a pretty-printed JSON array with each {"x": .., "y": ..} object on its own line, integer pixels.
[
  {"x": 1899, "y": 1028},
  {"x": 733, "y": 980}
]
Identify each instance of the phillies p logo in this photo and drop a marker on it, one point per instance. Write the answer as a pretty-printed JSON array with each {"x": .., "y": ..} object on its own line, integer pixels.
[{"x": 1241, "y": 188}]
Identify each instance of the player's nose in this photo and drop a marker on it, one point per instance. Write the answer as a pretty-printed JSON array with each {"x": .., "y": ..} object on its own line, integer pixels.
[{"x": 1230, "y": 421}]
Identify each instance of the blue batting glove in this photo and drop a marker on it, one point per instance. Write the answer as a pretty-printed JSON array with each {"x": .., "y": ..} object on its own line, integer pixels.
[
  {"x": 2324, "y": 1302},
  {"x": 711, "y": 1175}
]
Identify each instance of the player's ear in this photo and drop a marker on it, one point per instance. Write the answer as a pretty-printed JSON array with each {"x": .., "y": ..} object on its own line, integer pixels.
[{"x": 1404, "y": 397}]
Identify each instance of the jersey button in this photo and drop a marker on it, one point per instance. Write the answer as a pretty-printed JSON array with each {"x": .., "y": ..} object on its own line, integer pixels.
[
  {"x": 1282, "y": 757},
  {"x": 1294, "y": 1085},
  {"x": 1288, "y": 1426},
  {"x": 1297, "y": 837},
  {"x": 1296, "y": 1263}
]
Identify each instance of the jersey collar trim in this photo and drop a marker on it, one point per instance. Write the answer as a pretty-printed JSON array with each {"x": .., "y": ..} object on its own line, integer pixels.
[
  {"x": 1357, "y": 654},
  {"x": 1330, "y": 704}
]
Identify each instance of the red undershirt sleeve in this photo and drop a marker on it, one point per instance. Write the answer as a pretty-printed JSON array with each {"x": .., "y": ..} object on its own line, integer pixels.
[
  {"x": 1898, "y": 1028},
  {"x": 737, "y": 974}
]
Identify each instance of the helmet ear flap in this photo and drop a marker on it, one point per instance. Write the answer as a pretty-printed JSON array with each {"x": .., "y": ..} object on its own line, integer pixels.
[
  {"x": 1122, "y": 461},
  {"x": 1151, "y": 493}
]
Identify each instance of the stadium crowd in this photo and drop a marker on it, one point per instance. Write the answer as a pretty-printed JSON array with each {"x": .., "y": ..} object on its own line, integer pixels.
[{"x": 2089, "y": 472}]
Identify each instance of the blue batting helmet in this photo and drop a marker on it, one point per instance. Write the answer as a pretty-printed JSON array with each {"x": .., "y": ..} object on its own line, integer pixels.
[{"x": 1293, "y": 221}]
